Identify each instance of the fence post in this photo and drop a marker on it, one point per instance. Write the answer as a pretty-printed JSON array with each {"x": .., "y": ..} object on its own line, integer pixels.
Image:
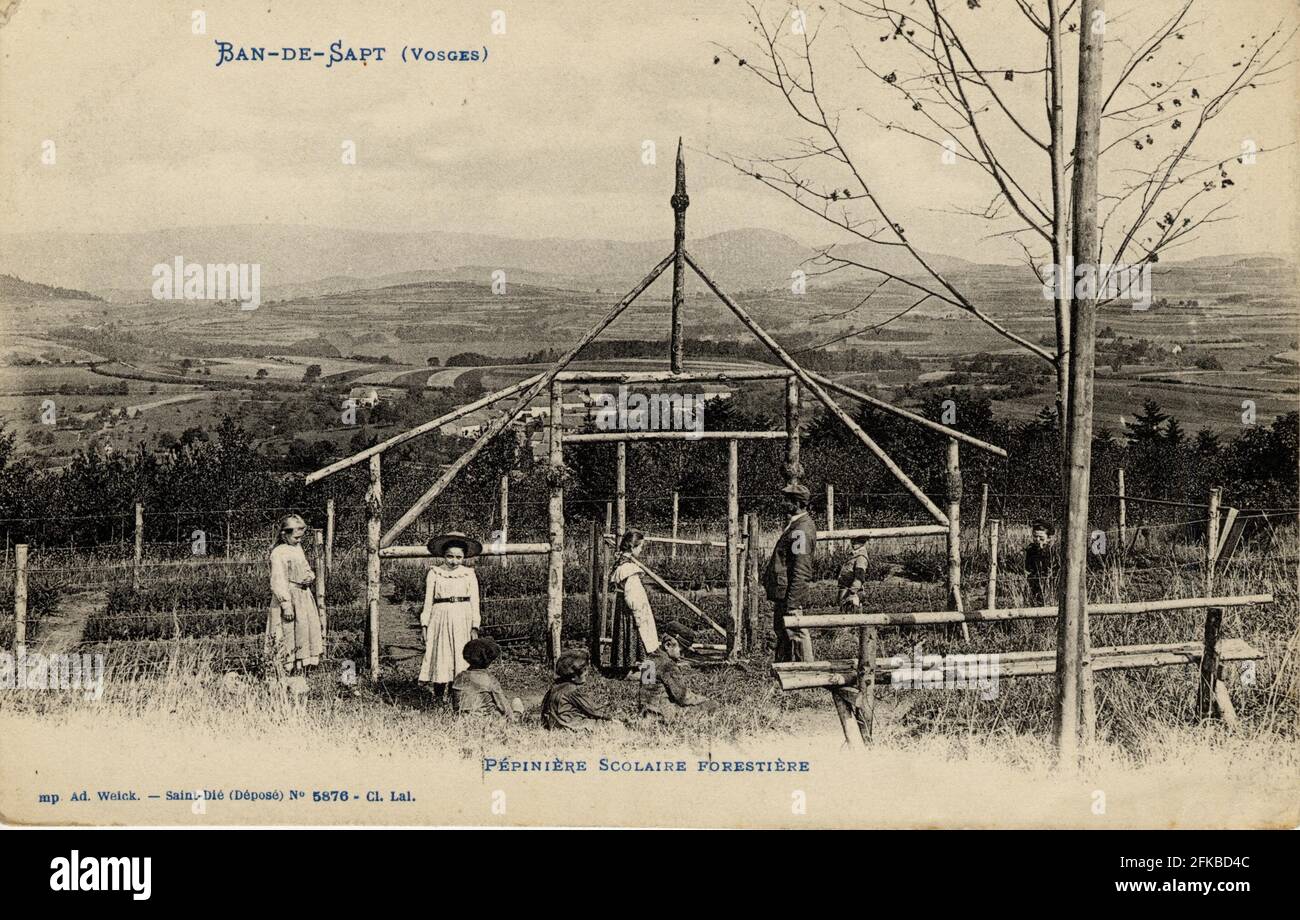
[
  {"x": 984, "y": 511},
  {"x": 139, "y": 546},
  {"x": 830, "y": 506},
  {"x": 954, "y": 532},
  {"x": 673, "y": 552},
  {"x": 321, "y": 566},
  {"x": 793, "y": 468},
  {"x": 754, "y": 642},
  {"x": 733, "y": 541},
  {"x": 1123, "y": 512},
  {"x": 374, "y": 530},
  {"x": 329, "y": 536},
  {"x": 20, "y": 596},
  {"x": 503, "y": 511},
  {"x": 866, "y": 681},
  {"x": 555, "y": 514},
  {"x": 1207, "y": 685},
  {"x": 596, "y": 626},
  {"x": 992, "y": 601},
  {"x": 620, "y": 491}
]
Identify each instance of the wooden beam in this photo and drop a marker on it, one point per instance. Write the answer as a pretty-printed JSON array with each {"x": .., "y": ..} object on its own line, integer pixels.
[
  {"x": 421, "y": 551},
  {"x": 733, "y": 545},
  {"x": 843, "y": 672},
  {"x": 817, "y": 390},
  {"x": 624, "y": 436},
  {"x": 921, "y": 420},
  {"x": 882, "y": 533},
  {"x": 505, "y": 419},
  {"x": 680, "y": 201},
  {"x": 932, "y": 617},
  {"x": 374, "y": 519},
  {"x": 668, "y": 377},
  {"x": 555, "y": 517},
  {"x": 418, "y": 430}
]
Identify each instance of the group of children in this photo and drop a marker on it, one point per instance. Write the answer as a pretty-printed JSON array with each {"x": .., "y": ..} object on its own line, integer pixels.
[
  {"x": 456, "y": 656},
  {"x": 568, "y": 704}
]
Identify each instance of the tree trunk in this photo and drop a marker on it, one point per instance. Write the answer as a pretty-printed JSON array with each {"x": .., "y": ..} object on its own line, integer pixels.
[{"x": 1072, "y": 625}]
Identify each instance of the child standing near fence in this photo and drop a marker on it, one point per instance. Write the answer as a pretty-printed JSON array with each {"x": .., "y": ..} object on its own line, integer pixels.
[
  {"x": 293, "y": 624},
  {"x": 450, "y": 617}
]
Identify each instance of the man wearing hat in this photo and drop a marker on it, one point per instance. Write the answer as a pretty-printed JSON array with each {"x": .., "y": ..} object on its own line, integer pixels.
[
  {"x": 788, "y": 572},
  {"x": 567, "y": 704}
]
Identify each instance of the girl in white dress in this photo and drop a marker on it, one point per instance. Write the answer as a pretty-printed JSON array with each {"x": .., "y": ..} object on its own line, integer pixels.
[
  {"x": 293, "y": 623},
  {"x": 450, "y": 617}
]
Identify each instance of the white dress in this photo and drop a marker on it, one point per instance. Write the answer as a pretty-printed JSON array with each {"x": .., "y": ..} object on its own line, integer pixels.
[{"x": 451, "y": 610}]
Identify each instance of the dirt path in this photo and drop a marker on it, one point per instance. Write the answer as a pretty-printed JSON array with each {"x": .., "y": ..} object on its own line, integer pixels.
[
  {"x": 61, "y": 631},
  {"x": 399, "y": 634}
]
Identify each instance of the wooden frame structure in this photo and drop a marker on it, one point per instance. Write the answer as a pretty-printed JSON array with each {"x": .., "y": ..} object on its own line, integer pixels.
[{"x": 739, "y": 551}]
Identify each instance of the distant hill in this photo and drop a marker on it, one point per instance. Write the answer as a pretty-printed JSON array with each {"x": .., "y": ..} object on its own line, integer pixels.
[
  {"x": 309, "y": 261},
  {"x": 13, "y": 288}
]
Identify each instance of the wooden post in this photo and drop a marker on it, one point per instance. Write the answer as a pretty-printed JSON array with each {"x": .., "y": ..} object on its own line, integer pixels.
[
  {"x": 866, "y": 681},
  {"x": 503, "y": 514},
  {"x": 374, "y": 531},
  {"x": 984, "y": 510},
  {"x": 754, "y": 640},
  {"x": 733, "y": 543},
  {"x": 329, "y": 536},
  {"x": 620, "y": 491},
  {"x": 20, "y": 596},
  {"x": 1205, "y": 692},
  {"x": 953, "y": 467},
  {"x": 321, "y": 567},
  {"x": 597, "y": 575},
  {"x": 673, "y": 552},
  {"x": 830, "y": 506},
  {"x": 680, "y": 201},
  {"x": 609, "y": 519},
  {"x": 1123, "y": 512},
  {"x": 555, "y": 513},
  {"x": 992, "y": 601},
  {"x": 139, "y": 546},
  {"x": 793, "y": 468}
]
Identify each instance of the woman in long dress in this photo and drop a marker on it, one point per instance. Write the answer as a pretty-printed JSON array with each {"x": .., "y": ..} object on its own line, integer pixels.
[
  {"x": 293, "y": 624},
  {"x": 633, "y": 617},
  {"x": 450, "y": 617}
]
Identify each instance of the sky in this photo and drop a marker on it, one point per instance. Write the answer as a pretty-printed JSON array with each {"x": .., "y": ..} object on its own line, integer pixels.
[{"x": 546, "y": 138}]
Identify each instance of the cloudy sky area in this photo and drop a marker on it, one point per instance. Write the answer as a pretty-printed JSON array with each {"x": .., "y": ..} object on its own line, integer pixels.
[{"x": 543, "y": 140}]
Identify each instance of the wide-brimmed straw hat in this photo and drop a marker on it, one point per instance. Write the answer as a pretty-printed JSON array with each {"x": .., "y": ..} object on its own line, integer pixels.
[{"x": 438, "y": 545}]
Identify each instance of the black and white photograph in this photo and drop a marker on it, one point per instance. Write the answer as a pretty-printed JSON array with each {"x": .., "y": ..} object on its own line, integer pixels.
[{"x": 844, "y": 414}]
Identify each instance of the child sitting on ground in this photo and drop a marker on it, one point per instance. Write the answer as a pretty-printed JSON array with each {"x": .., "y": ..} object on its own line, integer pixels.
[
  {"x": 567, "y": 705},
  {"x": 663, "y": 679},
  {"x": 475, "y": 690}
]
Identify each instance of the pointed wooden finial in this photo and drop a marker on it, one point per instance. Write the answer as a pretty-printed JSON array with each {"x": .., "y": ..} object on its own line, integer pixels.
[{"x": 680, "y": 200}]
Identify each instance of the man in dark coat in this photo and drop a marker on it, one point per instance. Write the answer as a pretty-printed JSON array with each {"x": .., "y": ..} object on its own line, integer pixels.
[
  {"x": 788, "y": 572},
  {"x": 1040, "y": 564}
]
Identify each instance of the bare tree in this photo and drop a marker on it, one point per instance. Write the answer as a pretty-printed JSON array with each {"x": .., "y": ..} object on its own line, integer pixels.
[{"x": 1160, "y": 191}]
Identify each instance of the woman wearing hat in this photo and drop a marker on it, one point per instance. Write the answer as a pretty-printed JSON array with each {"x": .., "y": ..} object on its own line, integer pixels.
[
  {"x": 633, "y": 616},
  {"x": 293, "y": 624},
  {"x": 451, "y": 610}
]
